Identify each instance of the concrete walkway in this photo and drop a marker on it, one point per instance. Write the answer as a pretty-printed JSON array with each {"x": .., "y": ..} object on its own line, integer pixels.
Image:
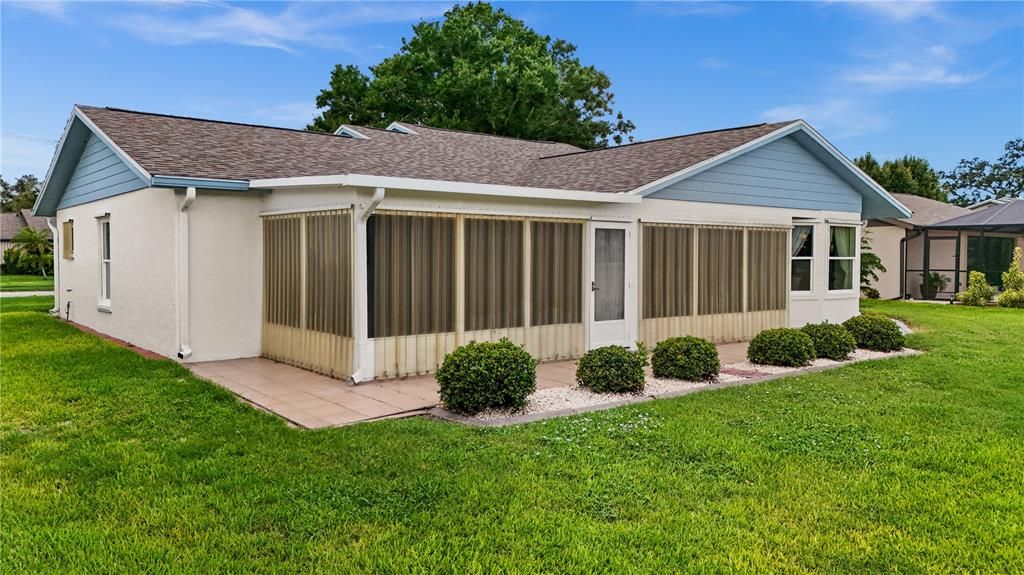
[
  {"x": 25, "y": 293},
  {"x": 314, "y": 401}
]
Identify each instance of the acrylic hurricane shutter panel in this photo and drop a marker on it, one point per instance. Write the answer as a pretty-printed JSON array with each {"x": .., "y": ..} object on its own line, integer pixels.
[
  {"x": 494, "y": 273},
  {"x": 308, "y": 290},
  {"x": 766, "y": 270},
  {"x": 720, "y": 270},
  {"x": 667, "y": 271}
]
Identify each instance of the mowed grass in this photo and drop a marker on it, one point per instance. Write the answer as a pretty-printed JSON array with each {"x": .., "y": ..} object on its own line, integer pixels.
[
  {"x": 14, "y": 282},
  {"x": 113, "y": 463}
]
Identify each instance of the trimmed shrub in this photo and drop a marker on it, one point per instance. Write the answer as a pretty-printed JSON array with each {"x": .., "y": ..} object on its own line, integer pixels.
[
  {"x": 782, "y": 346},
  {"x": 875, "y": 332},
  {"x": 613, "y": 369},
  {"x": 687, "y": 358},
  {"x": 831, "y": 340},
  {"x": 1011, "y": 298},
  {"x": 870, "y": 293},
  {"x": 1013, "y": 283},
  {"x": 978, "y": 291},
  {"x": 484, "y": 375}
]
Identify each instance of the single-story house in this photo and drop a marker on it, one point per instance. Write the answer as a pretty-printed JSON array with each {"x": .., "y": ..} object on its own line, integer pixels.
[
  {"x": 13, "y": 222},
  {"x": 371, "y": 253},
  {"x": 943, "y": 240}
]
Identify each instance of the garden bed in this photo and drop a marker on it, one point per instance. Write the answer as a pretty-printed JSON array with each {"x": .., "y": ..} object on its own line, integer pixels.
[{"x": 561, "y": 401}]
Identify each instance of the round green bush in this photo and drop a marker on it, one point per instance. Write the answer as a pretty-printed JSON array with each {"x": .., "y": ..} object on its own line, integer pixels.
[
  {"x": 687, "y": 358},
  {"x": 831, "y": 340},
  {"x": 485, "y": 375},
  {"x": 1011, "y": 298},
  {"x": 613, "y": 369},
  {"x": 875, "y": 332},
  {"x": 782, "y": 346}
]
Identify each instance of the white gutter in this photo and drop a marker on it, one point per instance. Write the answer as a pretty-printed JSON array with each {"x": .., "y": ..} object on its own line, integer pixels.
[
  {"x": 363, "y": 352},
  {"x": 184, "y": 347},
  {"x": 368, "y": 181},
  {"x": 56, "y": 268}
]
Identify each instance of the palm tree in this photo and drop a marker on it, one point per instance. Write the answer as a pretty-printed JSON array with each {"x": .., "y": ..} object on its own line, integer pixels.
[{"x": 34, "y": 247}]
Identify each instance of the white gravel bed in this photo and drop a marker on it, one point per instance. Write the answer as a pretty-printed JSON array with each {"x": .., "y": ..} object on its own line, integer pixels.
[{"x": 576, "y": 397}]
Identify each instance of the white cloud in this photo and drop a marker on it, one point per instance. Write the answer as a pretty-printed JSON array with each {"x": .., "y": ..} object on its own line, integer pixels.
[
  {"x": 904, "y": 75},
  {"x": 713, "y": 63},
  {"x": 180, "y": 22},
  {"x": 25, "y": 154},
  {"x": 839, "y": 117},
  {"x": 900, "y": 11}
]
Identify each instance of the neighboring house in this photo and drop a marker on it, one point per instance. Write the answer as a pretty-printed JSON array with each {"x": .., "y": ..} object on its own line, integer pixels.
[
  {"x": 927, "y": 243},
  {"x": 374, "y": 252},
  {"x": 13, "y": 222}
]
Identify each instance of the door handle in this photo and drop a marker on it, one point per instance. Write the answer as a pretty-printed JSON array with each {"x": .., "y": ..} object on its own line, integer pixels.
[{"x": 593, "y": 286}]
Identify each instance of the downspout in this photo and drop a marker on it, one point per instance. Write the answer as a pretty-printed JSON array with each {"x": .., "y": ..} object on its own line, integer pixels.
[
  {"x": 360, "y": 330},
  {"x": 184, "y": 347},
  {"x": 56, "y": 268}
]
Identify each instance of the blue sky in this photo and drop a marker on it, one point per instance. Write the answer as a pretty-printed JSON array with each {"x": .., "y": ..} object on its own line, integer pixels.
[{"x": 940, "y": 80}]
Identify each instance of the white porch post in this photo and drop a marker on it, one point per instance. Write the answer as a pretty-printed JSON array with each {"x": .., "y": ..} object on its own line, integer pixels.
[{"x": 362, "y": 356}]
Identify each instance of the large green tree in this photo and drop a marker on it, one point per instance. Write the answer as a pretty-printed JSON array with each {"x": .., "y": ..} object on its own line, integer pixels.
[
  {"x": 19, "y": 195},
  {"x": 976, "y": 179},
  {"x": 482, "y": 70},
  {"x": 906, "y": 175}
]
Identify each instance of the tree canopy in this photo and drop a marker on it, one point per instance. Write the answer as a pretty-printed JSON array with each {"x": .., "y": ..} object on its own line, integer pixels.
[
  {"x": 19, "y": 195},
  {"x": 975, "y": 180},
  {"x": 906, "y": 175},
  {"x": 480, "y": 69}
]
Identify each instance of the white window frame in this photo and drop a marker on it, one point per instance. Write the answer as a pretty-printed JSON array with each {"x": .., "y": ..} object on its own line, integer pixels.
[
  {"x": 854, "y": 272},
  {"x": 104, "y": 259},
  {"x": 810, "y": 258}
]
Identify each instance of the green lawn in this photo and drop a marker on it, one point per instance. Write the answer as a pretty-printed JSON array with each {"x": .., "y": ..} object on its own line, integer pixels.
[
  {"x": 9, "y": 282},
  {"x": 113, "y": 463}
]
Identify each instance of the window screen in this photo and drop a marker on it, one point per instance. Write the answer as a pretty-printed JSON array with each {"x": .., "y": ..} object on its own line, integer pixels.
[
  {"x": 329, "y": 273},
  {"x": 282, "y": 265}
]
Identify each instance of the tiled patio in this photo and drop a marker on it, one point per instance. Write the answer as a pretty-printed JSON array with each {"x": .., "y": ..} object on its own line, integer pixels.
[{"x": 312, "y": 400}]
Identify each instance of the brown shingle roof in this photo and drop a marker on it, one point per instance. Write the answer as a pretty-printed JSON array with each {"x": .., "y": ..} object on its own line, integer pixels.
[
  {"x": 12, "y": 222},
  {"x": 178, "y": 146},
  {"x": 927, "y": 211}
]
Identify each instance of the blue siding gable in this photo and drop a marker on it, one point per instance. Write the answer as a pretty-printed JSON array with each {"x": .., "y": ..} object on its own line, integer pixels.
[
  {"x": 99, "y": 174},
  {"x": 780, "y": 174}
]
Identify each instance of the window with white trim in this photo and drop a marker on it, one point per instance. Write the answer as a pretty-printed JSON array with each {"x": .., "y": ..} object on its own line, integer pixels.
[
  {"x": 105, "y": 261},
  {"x": 802, "y": 252},
  {"x": 842, "y": 251}
]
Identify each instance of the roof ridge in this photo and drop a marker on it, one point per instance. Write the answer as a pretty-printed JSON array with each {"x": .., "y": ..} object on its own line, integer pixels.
[
  {"x": 667, "y": 138},
  {"x": 86, "y": 107},
  {"x": 483, "y": 134}
]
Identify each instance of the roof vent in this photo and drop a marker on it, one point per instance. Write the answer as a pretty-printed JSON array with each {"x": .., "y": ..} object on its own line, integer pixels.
[{"x": 350, "y": 132}]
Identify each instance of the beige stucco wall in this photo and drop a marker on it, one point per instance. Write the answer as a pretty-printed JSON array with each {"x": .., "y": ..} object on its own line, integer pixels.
[
  {"x": 226, "y": 256},
  {"x": 142, "y": 235},
  {"x": 885, "y": 243},
  {"x": 225, "y": 275}
]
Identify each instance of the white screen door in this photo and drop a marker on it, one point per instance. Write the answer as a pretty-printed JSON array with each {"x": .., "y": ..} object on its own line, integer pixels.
[{"x": 610, "y": 293}]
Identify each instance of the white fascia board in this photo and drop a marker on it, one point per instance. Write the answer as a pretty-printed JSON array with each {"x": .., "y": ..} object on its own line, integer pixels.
[
  {"x": 135, "y": 167},
  {"x": 447, "y": 186},
  {"x": 651, "y": 187},
  {"x": 53, "y": 160},
  {"x": 396, "y": 127}
]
